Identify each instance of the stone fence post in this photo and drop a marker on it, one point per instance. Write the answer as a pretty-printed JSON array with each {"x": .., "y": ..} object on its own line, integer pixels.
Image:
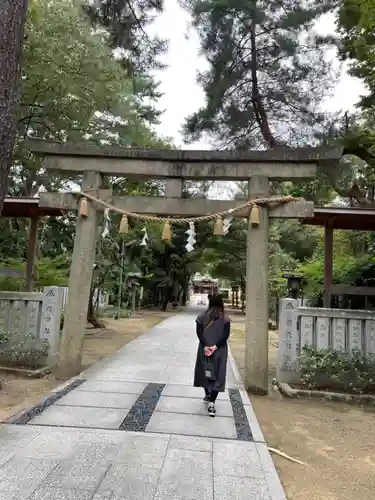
[
  {"x": 50, "y": 321},
  {"x": 287, "y": 369}
]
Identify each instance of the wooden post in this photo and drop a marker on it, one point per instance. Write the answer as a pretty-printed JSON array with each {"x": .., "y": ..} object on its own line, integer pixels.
[
  {"x": 80, "y": 278},
  {"x": 328, "y": 264},
  {"x": 256, "y": 336},
  {"x": 31, "y": 254}
]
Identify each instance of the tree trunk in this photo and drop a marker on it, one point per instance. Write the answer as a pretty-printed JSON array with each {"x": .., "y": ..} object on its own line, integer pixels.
[
  {"x": 167, "y": 297},
  {"x": 12, "y": 23},
  {"x": 91, "y": 316},
  {"x": 184, "y": 296},
  {"x": 179, "y": 295}
]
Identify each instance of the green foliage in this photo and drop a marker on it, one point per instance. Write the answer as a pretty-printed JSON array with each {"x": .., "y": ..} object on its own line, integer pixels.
[
  {"x": 356, "y": 25},
  {"x": 298, "y": 240},
  {"x": 337, "y": 370},
  {"x": 166, "y": 268},
  {"x": 19, "y": 351},
  {"x": 313, "y": 273},
  {"x": 126, "y": 24},
  {"x": 225, "y": 257},
  {"x": 268, "y": 72},
  {"x": 53, "y": 271},
  {"x": 72, "y": 89},
  {"x": 320, "y": 191},
  {"x": 352, "y": 265},
  {"x": 13, "y": 238},
  {"x": 49, "y": 272}
]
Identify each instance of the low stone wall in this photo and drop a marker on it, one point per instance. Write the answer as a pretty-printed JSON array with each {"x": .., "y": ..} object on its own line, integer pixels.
[
  {"x": 321, "y": 328},
  {"x": 28, "y": 319}
]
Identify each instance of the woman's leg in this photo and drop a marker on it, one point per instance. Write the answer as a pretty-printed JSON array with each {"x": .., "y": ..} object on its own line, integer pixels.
[
  {"x": 213, "y": 396},
  {"x": 206, "y": 398},
  {"x": 211, "y": 405}
]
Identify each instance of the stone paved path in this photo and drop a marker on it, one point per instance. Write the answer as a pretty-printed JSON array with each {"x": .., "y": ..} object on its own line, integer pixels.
[{"x": 134, "y": 428}]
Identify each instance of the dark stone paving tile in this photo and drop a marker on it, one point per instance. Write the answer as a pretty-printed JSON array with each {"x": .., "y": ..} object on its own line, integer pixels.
[
  {"x": 240, "y": 418},
  {"x": 142, "y": 410}
]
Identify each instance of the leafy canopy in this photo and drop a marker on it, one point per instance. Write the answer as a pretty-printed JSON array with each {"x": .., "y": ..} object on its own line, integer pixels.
[{"x": 267, "y": 71}]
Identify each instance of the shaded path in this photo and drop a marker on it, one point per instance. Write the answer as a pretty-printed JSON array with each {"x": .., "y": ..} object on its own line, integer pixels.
[{"x": 134, "y": 428}]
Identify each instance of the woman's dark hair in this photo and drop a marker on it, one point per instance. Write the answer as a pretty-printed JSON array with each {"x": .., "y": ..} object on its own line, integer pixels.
[
  {"x": 216, "y": 302},
  {"x": 214, "y": 311}
]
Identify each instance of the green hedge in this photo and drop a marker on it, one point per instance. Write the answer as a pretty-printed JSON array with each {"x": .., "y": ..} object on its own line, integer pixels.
[{"x": 338, "y": 371}]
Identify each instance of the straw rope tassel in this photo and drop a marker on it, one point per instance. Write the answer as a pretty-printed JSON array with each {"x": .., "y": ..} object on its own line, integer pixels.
[
  {"x": 83, "y": 208},
  {"x": 167, "y": 233},
  {"x": 124, "y": 225},
  {"x": 254, "y": 215},
  {"x": 219, "y": 227}
]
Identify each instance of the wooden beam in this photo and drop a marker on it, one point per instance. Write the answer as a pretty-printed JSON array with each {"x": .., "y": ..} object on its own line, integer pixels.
[
  {"x": 31, "y": 254},
  {"x": 160, "y": 169},
  {"x": 328, "y": 264},
  {"x": 184, "y": 207},
  {"x": 352, "y": 290},
  {"x": 21, "y": 296}
]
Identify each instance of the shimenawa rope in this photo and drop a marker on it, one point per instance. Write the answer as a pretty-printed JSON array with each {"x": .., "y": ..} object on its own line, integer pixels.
[{"x": 186, "y": 220}]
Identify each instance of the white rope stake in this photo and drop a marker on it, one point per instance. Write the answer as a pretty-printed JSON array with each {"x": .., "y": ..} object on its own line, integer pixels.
[
  {"x": 144, "y": 241},
  {"x": 105, "y": 231},
  {"x": 227, "y": 223},
  {"x": 191, "y": 240}
]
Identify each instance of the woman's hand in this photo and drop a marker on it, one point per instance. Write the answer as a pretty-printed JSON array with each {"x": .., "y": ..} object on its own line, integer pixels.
[
  {"x": 208, "y": 351},
  {"x": 213, "y": 349}
]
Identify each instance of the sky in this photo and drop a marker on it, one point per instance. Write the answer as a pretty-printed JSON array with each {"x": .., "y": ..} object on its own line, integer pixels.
[{"x": 182, "y": 95}]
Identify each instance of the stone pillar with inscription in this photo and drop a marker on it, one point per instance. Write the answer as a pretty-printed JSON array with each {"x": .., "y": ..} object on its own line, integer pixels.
[
  {"x": 50, "y": 321},
  {"x": 288, "y": 350},
  {"x": 370, "y": 336}
]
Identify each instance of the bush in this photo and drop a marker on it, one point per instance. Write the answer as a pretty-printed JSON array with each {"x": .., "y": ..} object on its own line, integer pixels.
[
  {"x": 22, "y": 351},
  {"x": 347, "y": 270},
  {"x": 337, "y": 370}
]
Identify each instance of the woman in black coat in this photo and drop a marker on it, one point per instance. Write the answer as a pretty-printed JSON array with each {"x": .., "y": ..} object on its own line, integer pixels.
[{"x": 213, "y": 329}]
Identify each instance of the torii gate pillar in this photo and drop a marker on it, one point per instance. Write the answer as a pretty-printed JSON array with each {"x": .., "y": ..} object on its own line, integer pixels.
[
  {"x": 256, "y": 333},
  {"x": 80, "y": 277}
]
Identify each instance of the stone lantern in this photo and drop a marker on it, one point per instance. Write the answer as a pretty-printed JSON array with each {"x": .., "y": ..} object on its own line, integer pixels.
[{"x": 294, "y": 282}]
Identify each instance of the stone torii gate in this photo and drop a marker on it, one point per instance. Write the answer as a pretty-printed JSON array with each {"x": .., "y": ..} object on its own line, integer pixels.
[{"x": 256, "y": 167}]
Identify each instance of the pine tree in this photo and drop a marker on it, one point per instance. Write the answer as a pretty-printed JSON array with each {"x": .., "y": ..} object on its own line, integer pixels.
[
  {"x": 356, "y": 25},
  {"x": 125, "y": 23},
  {"x": 268, "y": 72}
]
